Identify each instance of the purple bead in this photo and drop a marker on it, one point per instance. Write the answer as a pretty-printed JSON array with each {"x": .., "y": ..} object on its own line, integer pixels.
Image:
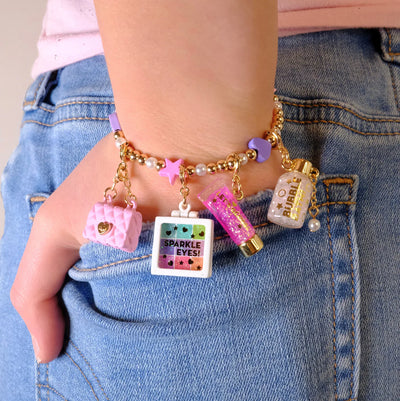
[
  {"x": 262, "y": 147},
  {"x": 114, "y": 122}
]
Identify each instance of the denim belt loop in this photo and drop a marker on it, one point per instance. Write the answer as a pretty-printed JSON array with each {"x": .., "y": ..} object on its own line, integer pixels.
[
  {"x": 37, "y": 91},
  {"x": 390, "y": 44}
]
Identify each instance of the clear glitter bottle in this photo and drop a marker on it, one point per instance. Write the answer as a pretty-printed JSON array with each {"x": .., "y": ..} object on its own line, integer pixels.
[{"x": 292, "y": 196}]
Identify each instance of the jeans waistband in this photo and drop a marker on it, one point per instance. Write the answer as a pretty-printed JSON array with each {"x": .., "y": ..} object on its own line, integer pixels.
[
  {"x": 96, "y": 70},
  {"x": 93, "y": 81}
]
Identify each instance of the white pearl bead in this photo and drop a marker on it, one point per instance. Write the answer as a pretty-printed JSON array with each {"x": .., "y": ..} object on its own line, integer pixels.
[
  {"x": 243, "y": 158},
  {"x": 314, "y": 225},
  {"x": 119, "y": 142},
  {"x": 151, "y": 162},
  {"x": 201, "y": 169},
  {"x": 278, "y": 105}
]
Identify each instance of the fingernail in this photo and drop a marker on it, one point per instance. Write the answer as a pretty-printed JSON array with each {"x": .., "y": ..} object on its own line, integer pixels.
[{"x": 36, "y": 349}]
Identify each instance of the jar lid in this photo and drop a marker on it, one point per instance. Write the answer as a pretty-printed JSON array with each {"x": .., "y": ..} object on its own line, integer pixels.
[{"x": 302, "y": 166}]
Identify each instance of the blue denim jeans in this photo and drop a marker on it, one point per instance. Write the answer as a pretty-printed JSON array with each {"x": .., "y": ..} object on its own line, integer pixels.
[{"x": 313, "y": 316}]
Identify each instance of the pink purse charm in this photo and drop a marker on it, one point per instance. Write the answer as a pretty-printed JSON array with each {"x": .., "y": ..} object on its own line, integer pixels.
[
  {"x": 114, "y": 226},
  {"x": 109, "y": 224}
]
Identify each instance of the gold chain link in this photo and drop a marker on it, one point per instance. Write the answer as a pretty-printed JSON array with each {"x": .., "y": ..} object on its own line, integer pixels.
[
  {"x": 313, "y": 210},
  {"x": 122, "y": 175},
  {"x": 184, "y": 188},
  {"x": 275, "y": 139},
  {"x": 236, "y": 184}
]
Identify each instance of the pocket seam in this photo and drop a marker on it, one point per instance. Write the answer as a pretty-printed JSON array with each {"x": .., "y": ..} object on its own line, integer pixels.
[
  {"x": 337, "y": 106},
  {"x": 64, "y": 120},
  {"x": 83, "y": 374},
  {"x": 75, "y": 267},
  {"x": 46, "y": 386},
  {"x": 74, "y": 102},
  {"x": 89, "y": 366},
  {"x": 344, "y": 126},
  {"x": 110, "y": 264},
  {"x": 350, "y": 182}
]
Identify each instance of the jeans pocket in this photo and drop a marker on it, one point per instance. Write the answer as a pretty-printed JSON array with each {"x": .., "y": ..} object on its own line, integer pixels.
[{"x": 283, "y": 324}]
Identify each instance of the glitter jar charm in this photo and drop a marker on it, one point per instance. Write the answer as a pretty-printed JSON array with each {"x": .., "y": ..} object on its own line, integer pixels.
[
  {"x": 292, "y": 196},
  {"x": 221, "y": 202}
]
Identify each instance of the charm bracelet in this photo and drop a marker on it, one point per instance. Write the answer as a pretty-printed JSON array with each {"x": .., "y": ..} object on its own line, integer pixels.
[{"x": 182, "y": 242}]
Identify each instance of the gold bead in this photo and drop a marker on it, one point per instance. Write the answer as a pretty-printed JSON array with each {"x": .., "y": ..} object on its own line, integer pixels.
[
  {"x": 279, "y": 126},
  {"x": 129, "y": 152},
  {"x": 211, "y": 168},
  {"x": 221, "y": 165},
  {"x": 135, "y": 155},
  {"x": 251, "y": 154},
  {"x": 231, "y": 163},
  {"x": 279, "y": 113},
  {"x": 160, "y": 165},
  {"x": 190, "y": 170},
  {"x": 117, "y": 134},
  {"x": 279, "y": 120},
  {"x": 142, "y": 159},
  {"x": 276, "y": 98}
]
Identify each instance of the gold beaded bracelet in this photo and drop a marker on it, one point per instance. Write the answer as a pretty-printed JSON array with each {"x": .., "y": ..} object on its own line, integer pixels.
[
  {"x": 191, "y": 255},
  {"x": 259, "y": 150}
]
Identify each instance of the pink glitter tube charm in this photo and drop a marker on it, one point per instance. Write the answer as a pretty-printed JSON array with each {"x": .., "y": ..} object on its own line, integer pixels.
[{"x": 220, "y": 201}]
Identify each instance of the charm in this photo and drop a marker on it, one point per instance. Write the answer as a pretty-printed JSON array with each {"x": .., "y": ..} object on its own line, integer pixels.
[
  {"x": 262, "y": 147},
  {"x": 292, "y": 196},
  {"x": 223, "y": 205},
  {"x": 114, "y": 226},
  {"x": 183, "y": 244},
  {"x": 107, "y": 223},
  {"x": 171, "y": 170},
  {"x": 104, "y": 227}
]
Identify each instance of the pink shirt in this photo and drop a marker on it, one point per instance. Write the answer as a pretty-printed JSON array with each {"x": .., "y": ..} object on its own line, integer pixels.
[{"x": 70, "y": 32}]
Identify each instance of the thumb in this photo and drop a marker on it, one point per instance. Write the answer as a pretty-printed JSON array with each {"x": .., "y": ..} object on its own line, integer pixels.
[{"x": 40, "y": 276}]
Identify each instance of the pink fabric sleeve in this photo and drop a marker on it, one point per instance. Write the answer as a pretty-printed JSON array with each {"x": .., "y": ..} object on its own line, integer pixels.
[
  {"x": 70, "y": 32},
  {"x": 297, "y": 17}
]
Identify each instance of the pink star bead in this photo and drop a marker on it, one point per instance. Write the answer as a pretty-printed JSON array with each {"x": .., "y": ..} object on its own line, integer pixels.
[{"x": 171, "y": 170}]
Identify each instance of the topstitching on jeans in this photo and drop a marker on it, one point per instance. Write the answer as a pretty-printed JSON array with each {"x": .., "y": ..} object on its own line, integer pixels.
[
  {"x": 46, "y": 386},
  {"x": 146, "y": 256},
  {"x": 333, "y": 296},
  {"x": 355, "y": 114},
  {"x": 89, "y": 366},
  {"x": 83, "y": 374},
  {"x": 392, "y": 55},
  {"x": 396, "y": 97},
  {"x": 74, "y": 102},
  {"x": 216, "y": 238},
  {"x": 389, "y": 33},
  {"x": 342, "y": 125},
  {"x": 65, "y": 120},
  {"x": 327, "y": 183},
  {"x": 47, "y": 381},
  {"x": 26, "y": 103},
  {"x": 352, "y": 293},
  {"x": 33, "y": 200},
  {"x": 40, "y": 386}
]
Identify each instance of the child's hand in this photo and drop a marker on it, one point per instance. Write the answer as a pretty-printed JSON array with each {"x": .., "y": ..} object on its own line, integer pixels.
[{"x": 53, "y": 247}]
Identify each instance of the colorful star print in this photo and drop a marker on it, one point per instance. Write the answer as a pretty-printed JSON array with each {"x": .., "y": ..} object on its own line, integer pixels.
[{"x": 171, "y": 170}]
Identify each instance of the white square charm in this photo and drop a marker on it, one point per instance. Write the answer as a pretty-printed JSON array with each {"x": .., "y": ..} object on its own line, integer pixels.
[{"x": 182, "y": 246}]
